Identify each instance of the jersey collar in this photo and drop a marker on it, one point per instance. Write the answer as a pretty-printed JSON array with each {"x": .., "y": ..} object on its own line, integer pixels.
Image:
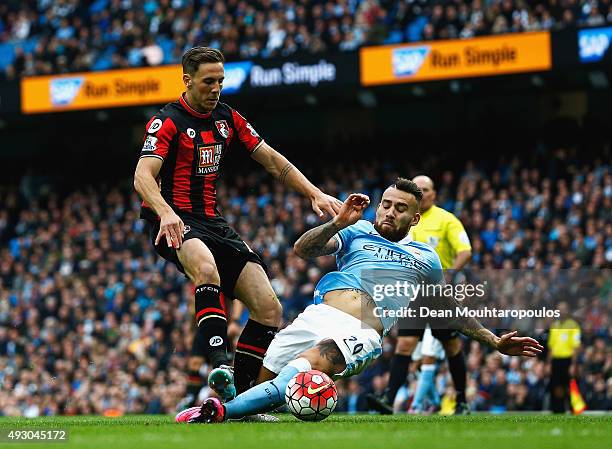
[
  {"x": 406, "y": 240},
  {"x": 428, "y": 211},
  {"x": 192, "y": 111}
]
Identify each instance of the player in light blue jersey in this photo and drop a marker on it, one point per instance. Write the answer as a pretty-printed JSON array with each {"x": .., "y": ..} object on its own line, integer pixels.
[{"x": 342, "y": 332}]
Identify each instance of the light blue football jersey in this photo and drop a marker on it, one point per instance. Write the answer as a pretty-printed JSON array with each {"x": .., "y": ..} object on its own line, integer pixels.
[{"x": 366, "y": 261}]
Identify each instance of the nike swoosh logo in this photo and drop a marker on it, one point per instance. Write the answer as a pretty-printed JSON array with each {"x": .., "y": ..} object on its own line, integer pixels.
[{"x": 316, "y": 390}]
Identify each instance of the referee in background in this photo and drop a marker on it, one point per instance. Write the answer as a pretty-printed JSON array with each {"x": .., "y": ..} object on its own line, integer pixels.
[
  {"x": 563, "y": 343},
  {"x": 444, "y": 232}
]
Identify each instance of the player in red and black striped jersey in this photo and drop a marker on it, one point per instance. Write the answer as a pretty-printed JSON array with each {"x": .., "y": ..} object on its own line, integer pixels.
[
  {"x": 176, "y": 177},
  {"x": 191, "y": 146}
]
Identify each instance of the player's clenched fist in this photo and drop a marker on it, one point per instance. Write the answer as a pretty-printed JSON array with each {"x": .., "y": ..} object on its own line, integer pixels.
[
  {"x": 172, "y": 227},
  {"x": 352, "y": 210}
]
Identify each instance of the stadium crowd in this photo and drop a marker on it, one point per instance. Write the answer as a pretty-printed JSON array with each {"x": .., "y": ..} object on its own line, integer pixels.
[
  {"x": 44, "y": 36},
  {"x": 93, "y": 322}
]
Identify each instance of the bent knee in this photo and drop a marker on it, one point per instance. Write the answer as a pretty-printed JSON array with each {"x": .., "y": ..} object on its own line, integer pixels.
[
  {"x": 325, "y": 357},
  {"x": 205, "y": 273},
  {"x": 316, "y": 361},
  {"x": 267, "y": 311},
  {"x": 405, "y": 345}
]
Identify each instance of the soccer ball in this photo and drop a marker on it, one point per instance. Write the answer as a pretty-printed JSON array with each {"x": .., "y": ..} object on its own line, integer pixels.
[{"x": 311, "y": 395}]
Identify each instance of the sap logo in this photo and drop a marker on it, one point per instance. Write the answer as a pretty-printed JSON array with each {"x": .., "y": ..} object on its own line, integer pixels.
[
  {"x": 64, "y": 90},
  {"x": 236, "y": 74},
  {"x": 594, "y": 43},
  {"x": 408, "y": 61}
]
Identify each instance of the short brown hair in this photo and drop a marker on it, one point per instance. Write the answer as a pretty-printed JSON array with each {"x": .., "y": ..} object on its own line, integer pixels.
[
  {"x": 200, "y": 55},
  {"x": 406, "y": 185}
]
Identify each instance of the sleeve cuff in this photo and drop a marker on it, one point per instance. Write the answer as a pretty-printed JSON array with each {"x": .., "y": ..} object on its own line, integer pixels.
[
  {"x": 151, "y": 155},
  {"x": 256, "y": 147},
  {"x": 339, "y": 240}
]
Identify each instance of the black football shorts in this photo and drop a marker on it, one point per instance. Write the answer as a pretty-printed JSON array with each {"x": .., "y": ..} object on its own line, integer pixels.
[
  {"x": 229, "y": 250},
  {"x": 440, "y": 334}
]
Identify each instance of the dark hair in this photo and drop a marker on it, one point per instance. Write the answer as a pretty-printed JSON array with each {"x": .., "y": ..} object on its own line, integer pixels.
[
  {"x": 200, "y": 55},
  {"x": 406, "y": 185}
]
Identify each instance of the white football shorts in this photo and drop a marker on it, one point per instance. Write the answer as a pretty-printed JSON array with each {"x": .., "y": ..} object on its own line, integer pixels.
[
  {"x": 359, "y": 343},
  {"x": 430, "y": 346}
]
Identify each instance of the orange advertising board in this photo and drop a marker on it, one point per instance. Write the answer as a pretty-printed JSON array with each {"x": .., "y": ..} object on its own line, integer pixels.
[
  {"x": 129, "y": 87},
  {"x": 464, "y": 58}
]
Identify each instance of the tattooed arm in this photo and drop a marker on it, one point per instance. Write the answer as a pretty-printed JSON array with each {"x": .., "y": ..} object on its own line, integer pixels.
[
  {"x": 278, "y": 166},
  {"x": 472, "y": 328},
  {"x": 508, "y": 343},
  {"x": 318, "y": 241}
]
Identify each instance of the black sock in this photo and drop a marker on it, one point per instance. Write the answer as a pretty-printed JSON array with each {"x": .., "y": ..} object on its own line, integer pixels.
[
  {"x": 195, "y": 382},
  {"x": 210, "y": 340},
  {"x": 397, "y": 376},
  {"x": 458, "y": 371},
  {"x": 250, "y": 350}
]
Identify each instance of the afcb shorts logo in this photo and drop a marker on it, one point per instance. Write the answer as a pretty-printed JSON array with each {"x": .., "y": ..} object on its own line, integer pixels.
[{"x": 216, "y": 341}]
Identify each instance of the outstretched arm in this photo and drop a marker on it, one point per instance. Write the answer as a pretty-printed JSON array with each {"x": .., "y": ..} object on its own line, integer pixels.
[
  {"x": 508, "y": 344},
  {"x": 318, "y": 241},
  {"x": 278, "y": 166}
]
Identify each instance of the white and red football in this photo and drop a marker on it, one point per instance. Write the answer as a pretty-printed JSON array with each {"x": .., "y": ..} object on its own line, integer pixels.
[{"x": 311, "y": 395}]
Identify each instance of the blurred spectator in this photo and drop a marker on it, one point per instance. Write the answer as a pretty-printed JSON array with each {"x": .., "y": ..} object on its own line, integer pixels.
[
  {"x": 92, "y": 322},
  {"x": 65, "y": 36},
  {"x": 352, "y": 400}
]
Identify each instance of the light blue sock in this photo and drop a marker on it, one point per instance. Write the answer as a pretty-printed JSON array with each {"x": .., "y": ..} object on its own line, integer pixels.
[
  {"x": 434, "y": 396},
  {"x": 423, "y": 386},
  {"x": 267, "y": 395}
]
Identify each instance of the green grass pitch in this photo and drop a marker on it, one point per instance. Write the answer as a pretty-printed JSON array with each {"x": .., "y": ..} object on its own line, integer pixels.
[{"x": 337, "y": 432}]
